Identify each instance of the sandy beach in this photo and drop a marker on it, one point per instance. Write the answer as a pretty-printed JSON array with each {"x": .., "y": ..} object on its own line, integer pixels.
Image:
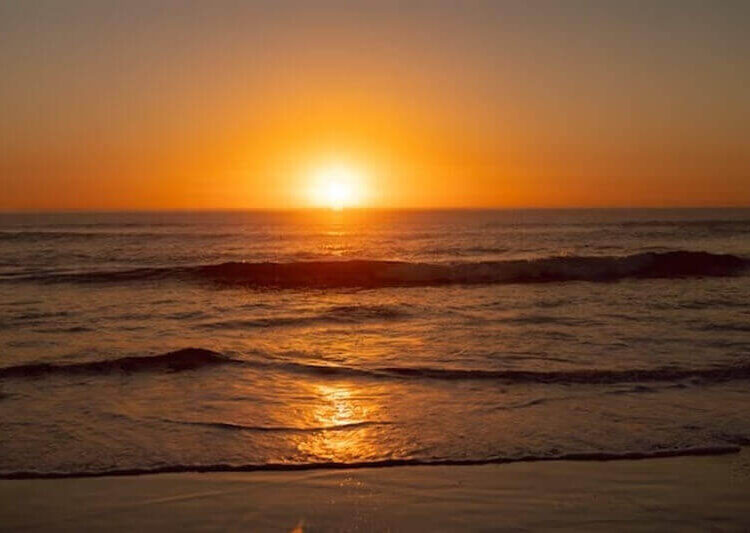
[{"x": 681, "y": 493}]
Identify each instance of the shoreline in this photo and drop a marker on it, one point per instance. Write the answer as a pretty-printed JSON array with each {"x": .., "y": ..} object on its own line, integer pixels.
[
  {"x": 685, "y": 493},
  {"x": 601, "y": 457}
]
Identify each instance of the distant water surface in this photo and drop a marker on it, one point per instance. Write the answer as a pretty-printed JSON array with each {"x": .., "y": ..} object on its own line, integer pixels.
[{"x": 169, "y": 341}]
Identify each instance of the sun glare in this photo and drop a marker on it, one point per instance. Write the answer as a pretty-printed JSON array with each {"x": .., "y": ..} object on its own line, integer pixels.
[{"x": 336, "y": 186}]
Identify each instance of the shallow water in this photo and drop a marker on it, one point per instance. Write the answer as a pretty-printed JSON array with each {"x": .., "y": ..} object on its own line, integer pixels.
[{"x": 208, "y": 341}]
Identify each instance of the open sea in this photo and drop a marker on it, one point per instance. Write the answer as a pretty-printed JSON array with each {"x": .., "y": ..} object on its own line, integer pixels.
[{"x": 209, "y": 341}]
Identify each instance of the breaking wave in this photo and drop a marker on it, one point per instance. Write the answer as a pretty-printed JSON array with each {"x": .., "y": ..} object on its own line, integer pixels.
[
  {"x": 197, "y": 358},
  {"x": 565, "y": 377},
  {"x": 375, "y": 274},
  {"x": 177, "y": 361}
]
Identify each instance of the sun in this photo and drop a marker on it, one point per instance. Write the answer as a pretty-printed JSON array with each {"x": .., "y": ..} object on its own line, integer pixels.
[{"x": 336, "y": 186}]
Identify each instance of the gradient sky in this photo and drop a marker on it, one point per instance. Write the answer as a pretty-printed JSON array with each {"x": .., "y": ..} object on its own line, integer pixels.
[{"x": 228, "y": 104}]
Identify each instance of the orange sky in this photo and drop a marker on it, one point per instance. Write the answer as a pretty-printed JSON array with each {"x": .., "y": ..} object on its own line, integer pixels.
[{"x": 439, "y": 104}]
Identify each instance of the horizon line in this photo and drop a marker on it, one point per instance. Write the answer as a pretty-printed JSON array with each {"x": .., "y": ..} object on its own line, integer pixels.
[{"x": 352, "y": 208}]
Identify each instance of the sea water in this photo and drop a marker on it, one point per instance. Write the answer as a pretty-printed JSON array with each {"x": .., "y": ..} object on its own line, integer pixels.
[{"x": 199, "y": 341}]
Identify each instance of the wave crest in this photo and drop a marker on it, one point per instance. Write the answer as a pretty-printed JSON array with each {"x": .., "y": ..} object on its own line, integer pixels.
[
  {"x": 177, "y": 361},
  {"x": 563, "y": 377},
  {"x": 375, "y": 274},
  {"x": 393, "y": 273},
  {"x": 197, "y": 358}
]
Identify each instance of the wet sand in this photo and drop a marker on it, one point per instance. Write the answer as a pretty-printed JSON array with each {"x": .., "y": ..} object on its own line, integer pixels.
[{"x": 680, "y": 493}]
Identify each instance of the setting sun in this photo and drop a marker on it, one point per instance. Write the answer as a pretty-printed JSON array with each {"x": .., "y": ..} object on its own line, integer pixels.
[{"x": 336, "y": 186}]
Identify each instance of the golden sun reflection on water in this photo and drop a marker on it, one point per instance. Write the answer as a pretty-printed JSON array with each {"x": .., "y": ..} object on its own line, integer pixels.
[{"x": 350, "y": 421}]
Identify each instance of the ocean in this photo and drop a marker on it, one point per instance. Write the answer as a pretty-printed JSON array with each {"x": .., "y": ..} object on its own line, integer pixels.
[{"x": 241, "y": 340}]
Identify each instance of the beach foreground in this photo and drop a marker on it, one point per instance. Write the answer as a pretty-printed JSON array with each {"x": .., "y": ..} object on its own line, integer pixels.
[{"x": 680, "y": 493}]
